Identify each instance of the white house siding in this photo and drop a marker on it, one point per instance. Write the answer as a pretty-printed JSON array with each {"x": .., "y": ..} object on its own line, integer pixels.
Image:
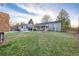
[
  {"x": 23, "y": 28},
  {"x": 50, "y": 27},
  {"x": 55, "y": 27}
]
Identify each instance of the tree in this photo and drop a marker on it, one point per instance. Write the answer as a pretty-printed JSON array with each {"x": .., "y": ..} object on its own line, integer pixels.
[
  {"x": 78, "y": 26},
  {"x": 30, "y": 21},
  {"x": 64, "y": 18},
  {"x": 78, "y": 23},
  {"x": 31, "y": 24},
  {"x": 11, "y": 23},
  {"x": 45, "y": 18}
]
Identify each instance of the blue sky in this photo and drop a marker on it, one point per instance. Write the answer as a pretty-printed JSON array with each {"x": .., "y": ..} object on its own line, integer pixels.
[
  {"x": 22, "y": 12},
  {"x": 16, "y": 8}
]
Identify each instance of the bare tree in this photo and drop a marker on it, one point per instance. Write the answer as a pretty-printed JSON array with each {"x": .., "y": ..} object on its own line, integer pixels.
[
  {"x": 45, "y": 18},
  {"x": 63, "y": 15},
  {"x": 78, "y": 22},
  {"x": 64, "y": 18}
]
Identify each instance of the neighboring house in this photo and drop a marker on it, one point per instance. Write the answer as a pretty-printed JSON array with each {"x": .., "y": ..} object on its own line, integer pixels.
[
  {"x": 14, "y": 28},
  {"x": 23, "y": 27},
  {"x": 31, "y": 25},
  {"x": 48, "y": 26},
  {"x": 26, "y": 27},
  {"x": 20, "y": 27}
]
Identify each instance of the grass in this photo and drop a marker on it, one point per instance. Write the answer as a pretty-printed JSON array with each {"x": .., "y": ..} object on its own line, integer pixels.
[{"x": 39, "y": 44}]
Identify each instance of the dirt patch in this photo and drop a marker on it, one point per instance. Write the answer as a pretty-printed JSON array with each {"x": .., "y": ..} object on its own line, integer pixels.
[{"x": 76, "y": 35}]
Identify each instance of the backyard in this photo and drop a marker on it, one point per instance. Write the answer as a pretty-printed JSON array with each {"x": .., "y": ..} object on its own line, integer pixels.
[{"x": 39, "y": 44}]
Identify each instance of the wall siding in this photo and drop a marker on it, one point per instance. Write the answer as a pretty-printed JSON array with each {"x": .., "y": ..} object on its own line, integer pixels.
[{"x": 55, "y": 27}]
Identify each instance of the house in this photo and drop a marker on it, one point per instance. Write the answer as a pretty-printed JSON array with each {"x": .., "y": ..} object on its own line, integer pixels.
[
  {"x": 26, "y": 27},
  {"x": 48, "y": 26},
  {"x": 30, "y": 25},
  {"x": 41, "y": 26},
  {"x": 14, "y": 28},
  {"x": 19, "y": 27},
  {"x": 23, "y": 26}
]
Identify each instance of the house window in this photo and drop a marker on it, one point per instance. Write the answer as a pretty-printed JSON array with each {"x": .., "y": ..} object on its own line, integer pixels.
[{"x": 22, "y": 26}]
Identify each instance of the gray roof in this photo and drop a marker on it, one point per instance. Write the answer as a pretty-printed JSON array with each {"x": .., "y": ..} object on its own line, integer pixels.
[{"x": 47, "y": 23}]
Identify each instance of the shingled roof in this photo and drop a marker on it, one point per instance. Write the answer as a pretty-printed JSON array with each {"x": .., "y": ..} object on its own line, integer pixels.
[{"x": 47, "y": 23}]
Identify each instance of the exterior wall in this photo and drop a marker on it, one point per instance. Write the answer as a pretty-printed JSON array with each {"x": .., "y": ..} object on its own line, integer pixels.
[
  {"x": 41, "y": 27},
  {"x": 55, "y": 27},
  {"x": 30, "y": 27},
  {"x": 4, "y": 22},
  {"x": 23, "y": 28},
  {"x": 51, "y": 27}
]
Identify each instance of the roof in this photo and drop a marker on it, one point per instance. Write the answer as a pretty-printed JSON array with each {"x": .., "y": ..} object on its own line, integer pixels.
[{"x": 47, "y": 23}]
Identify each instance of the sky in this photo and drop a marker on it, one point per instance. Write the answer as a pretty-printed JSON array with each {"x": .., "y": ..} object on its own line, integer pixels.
[{"x": 23, "y": 12}]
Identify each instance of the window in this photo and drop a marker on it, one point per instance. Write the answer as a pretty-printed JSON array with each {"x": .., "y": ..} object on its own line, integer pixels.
[{"x": 22, "y": 26}]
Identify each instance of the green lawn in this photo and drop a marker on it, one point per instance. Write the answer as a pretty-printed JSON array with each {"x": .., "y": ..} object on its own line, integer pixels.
[{"x": 40, "y": 44}]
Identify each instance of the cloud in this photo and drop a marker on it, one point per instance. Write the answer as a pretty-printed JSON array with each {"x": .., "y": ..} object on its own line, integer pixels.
[
  {"x": 13, "y": 6},
  {"x": 23, "y": 12},
  {"x": 34, "y": 8}
]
